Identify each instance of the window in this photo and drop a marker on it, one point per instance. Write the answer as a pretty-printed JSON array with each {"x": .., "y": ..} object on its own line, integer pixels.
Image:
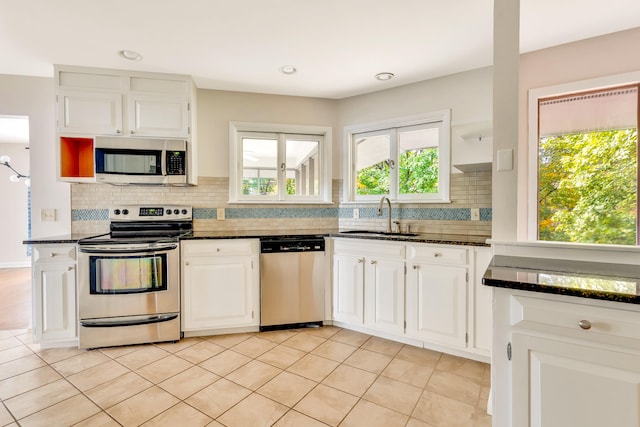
[
  {"x": 586, "y": 150},
  {"x": 280, "y": 163},
  {"x": 405, "y": 160}
]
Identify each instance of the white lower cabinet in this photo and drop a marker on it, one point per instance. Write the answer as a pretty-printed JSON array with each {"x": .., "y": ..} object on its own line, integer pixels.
[
  {"x": 549, "y": 371},
  {"x": 220, "y": 285},
  {"x": 368, "y": 284},
  {"x": 436, "y": 308},
  {"x": 384, "y": 291},
  {"x": 559, "y": 384},
  {"x": 55, "y": 320},
  {"x": 348, "y": 288},
  {"x": 417, "y": 293}
]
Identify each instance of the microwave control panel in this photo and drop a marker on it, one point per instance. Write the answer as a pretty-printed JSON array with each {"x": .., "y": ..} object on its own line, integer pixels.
[{"x": 176, "y": 162}]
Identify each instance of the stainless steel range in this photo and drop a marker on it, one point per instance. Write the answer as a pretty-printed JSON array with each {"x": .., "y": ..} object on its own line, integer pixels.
[{"x": 129, "y": 279}]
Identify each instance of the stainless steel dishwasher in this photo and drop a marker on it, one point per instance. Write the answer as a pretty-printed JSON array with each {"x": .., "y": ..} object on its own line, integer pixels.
[{"x": 291, "y": 282}]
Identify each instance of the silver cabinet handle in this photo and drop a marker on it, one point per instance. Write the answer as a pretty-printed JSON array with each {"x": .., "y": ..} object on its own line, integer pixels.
[
  {"x": 118, "y": 131},
  {"x": 69, "y": 268},
  {"x": 437, "y": 254},
  {"x": 584, "y": 324},
  {"x": 416, "y": 267},
  {"x": 53, "y": 254},
  {"x": 374, "y": 262},
  {"x": 360, "y": 260}
]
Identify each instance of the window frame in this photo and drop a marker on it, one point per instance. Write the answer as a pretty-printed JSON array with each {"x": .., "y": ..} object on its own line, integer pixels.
[
  {"x": 324, "y": 134},
  {"x": 534, "y": 96},
  {"x": 393, "y": 126}
]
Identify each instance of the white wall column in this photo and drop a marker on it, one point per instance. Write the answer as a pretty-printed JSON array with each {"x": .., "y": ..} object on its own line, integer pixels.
[{"x": 506, "y": 57}]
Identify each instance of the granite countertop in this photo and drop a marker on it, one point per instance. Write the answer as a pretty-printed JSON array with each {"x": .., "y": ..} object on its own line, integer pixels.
[
  {"x": 604, "y": 281},
  {"x": 448, "y": 239}
]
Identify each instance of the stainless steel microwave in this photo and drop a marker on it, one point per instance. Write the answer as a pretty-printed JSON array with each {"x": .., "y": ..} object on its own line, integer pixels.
[{"x": 122, "y": 160}]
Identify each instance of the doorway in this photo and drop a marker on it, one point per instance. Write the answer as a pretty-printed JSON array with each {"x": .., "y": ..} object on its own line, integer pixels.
[{"x": 15, "y": 226}]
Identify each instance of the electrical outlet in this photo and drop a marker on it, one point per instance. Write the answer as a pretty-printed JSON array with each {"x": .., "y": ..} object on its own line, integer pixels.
[
  {"x": 48, "y": 215},
  {"x": 356, "y": 213},
  {"x": 475, "y": 214},
  {"x": 220, "y": 214}
]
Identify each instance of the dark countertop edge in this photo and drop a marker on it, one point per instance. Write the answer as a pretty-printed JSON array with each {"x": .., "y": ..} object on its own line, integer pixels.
[
  {"x": 204, "y": 235},
  {"x": 557, "y": 290},
  {"x": 62, "y": 239},
  {"x": 462, "y": 240}
]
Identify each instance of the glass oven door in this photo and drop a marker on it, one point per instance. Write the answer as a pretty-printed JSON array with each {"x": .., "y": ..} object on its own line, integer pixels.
[{"x": 127, "y": 274}]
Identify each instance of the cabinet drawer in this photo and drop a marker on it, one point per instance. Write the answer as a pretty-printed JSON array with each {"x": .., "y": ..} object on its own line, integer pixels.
[
  {"x": 368, "y": 248},
  {"x": 54, "y": 253},
  {"x": 437, "y": 254},
  {"x": 564, "y": 317},
  {"x": 220, "y": 247}
]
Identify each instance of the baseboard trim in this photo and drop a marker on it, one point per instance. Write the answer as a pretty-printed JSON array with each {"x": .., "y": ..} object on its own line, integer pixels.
[{"x": 15, "y": 264}]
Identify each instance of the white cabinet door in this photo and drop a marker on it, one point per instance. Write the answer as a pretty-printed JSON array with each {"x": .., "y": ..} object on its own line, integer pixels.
[
  {"x": 54, "y": 302},
  {"x": 348, "y": 289},
  {"x": 480, "y": 304},
  {"x": 384, "y": 295},
  {"x": 436, "y": 303},
  {"x": 158, "y": 115},
  {"x": 89, "y": 112},
  {"x": 220, "y": 292},
  {"x": 560, "y": 384}
]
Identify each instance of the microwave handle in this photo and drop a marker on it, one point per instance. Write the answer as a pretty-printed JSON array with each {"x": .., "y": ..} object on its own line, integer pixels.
[{"x": 163, "y": 161}]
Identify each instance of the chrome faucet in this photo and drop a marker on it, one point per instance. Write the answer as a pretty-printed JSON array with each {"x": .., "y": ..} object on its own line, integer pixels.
[{"x": 380, "y": 211}]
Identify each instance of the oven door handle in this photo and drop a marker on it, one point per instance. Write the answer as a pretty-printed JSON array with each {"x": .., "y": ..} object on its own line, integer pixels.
[
  {"x": 116, "y": 323},
  {"x": 113, "y": 250}
]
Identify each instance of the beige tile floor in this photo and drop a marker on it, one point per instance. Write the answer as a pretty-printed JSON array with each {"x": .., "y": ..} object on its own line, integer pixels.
[{"x": 297, "y": 378}]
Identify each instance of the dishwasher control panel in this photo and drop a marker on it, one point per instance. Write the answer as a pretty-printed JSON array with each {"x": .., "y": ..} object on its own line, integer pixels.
[{"x": 292, "y": 244}]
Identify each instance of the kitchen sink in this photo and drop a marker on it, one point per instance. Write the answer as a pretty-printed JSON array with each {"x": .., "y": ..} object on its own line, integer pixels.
[{"x": 379, "y": 233}]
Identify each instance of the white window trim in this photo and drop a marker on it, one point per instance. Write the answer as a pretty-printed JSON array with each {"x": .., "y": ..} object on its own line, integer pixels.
[
  {"x": 235, "y": 194},
  {"x": 443, "y": 116},
  {"x": 532, "y": 149}
]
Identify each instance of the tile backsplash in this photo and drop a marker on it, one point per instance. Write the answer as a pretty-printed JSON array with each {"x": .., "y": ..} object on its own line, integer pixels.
[{"x": 90, "y": 205}]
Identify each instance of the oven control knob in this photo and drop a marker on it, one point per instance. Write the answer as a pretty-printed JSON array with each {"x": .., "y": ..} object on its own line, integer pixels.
[
  {"x": 184, "y": 211},
  {"x": 125, "y": 211},
  {"x": 116, "y": 212},
  {"x": 168, "y": 211},
  {"x": 176, "y": 211}
]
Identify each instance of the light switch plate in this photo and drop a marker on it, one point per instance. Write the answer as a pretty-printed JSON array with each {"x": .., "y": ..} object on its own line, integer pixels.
[
  {"x": 475, "y": 214},
  {"x": 356, "y": 213},
  {"x": 220, "y": 214},
  {"x": 505, "y": 160},
  {"x": 48, "y": 215}
]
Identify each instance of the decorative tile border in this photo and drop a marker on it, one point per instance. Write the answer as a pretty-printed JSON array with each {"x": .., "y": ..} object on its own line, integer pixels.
[
  {"x": 89, "y": 214},
  {"x": 447, "y": 214}
]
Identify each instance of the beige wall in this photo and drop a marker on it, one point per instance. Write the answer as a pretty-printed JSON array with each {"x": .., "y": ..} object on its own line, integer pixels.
[
  {"x": 468, "y": 95},
  {"x": 34, "y": 97},
  {"x": 587, "y": 59},
  {"x": 217, "y": 108}
]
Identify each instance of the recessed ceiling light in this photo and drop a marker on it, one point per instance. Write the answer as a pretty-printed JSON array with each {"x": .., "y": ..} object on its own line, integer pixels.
[
  {"x": 384, "y": 76},
  {"x": 288, "y": 69},
  {"x": 131, "y": 55}
]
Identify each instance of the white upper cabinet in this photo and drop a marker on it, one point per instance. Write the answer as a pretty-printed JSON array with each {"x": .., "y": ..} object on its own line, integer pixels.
[
  {"x": 87, "y": 112},
  {"x": 114, "y": 102}
]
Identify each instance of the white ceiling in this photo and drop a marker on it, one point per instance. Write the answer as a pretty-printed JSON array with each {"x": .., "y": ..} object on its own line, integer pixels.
[{"x": 336, "y": 45}]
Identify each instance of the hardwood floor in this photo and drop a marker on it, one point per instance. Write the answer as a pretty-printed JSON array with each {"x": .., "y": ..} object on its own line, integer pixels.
[{"x": 15, "y": 298}]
